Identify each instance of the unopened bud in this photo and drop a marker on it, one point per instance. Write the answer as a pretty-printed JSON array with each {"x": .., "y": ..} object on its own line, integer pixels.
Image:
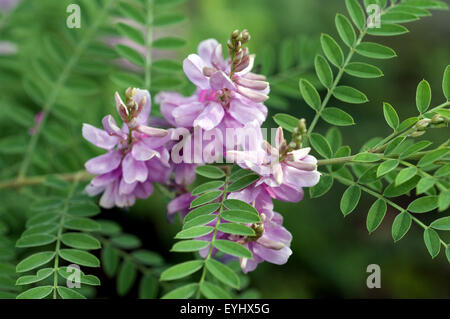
[
  {"x": 235, "y": 34},
  {"x": 417, "y": 133},
  {"x": 422, "y": 124},
  {"x": 207, "y": 71},
  {"x": 130, "y": 92},
  {"x": 245, "y": 36},
  {"x": 437, "y": 119}
]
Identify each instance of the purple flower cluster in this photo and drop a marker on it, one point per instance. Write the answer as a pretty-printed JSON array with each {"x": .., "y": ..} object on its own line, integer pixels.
[{"x": 228, "y": 96}]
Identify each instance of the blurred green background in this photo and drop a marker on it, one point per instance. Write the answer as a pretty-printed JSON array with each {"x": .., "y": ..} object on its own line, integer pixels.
[{"x": 330, "y": 253}]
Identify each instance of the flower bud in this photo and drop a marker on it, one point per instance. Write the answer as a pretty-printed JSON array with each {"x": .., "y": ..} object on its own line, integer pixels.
[
  {"x": 417, "y": 134},
  {"x": 437, "y": 119},
  {"x": 422, "y": 124}
]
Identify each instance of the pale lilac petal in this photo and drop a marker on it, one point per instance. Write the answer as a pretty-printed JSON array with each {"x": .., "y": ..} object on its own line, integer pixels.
[
  {"x": 279, "y": 137},
  {"x": 144, "y": 190},
  {"x": 104, "y": 163},
  {"x": 92, "y": 190},
  {"x": 245, "y": 113},
  {"x": 106, "y": 179},
  {"x": 299, "y": 154},
  {"x": 206, "y": 49},
  {"x": 278, "y": 257},
  {"x": 220, "y": 80},
  {"x": 99, "y": 137},
  {"x": 255, "y": 96},
  {"x": 285, "y": 193},
  {"x": 110, "y": 126},
  {"x": 152, "y": 131},
  {"x": 108, "y": 198},
  {"x": 134, "y": 170},
  {"x": 210, "y": 117},
  {"x": 296, "y": 178},
  {"x": 186, "y": 114},
  {"x": 141, "y": 152},
  {"x": 185, "y": 174},
  {"x": 142, "y": 118},
  {"x": 179, "y": 203},
  {"x": 125, "y": 188},
  {"x": 121, "y": 108},
  {"x": 193, "y": 68},
  {"x": 249, "y": 66}
]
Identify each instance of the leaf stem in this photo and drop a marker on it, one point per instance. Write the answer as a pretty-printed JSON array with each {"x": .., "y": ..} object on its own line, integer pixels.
[
  {"x": 211, "y": 245},
  {"x": 50, "y": 101},
  {"x": 37, "y": 180}
]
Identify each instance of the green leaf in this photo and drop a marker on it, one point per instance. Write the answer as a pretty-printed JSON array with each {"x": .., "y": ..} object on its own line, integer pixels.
[
  {"x": 199, "y": 221},
  {"x": 350, "y": 199},
  {"x": 376, "y": 214},
  {"x": 442, "y": 171},
  {"x": 148, "y": 287},
  {"x": 206, "y": 198},
  {"x": 82, "y": 224},
  {"x": 235, "y": 204},
  {"x": 432, "y": 242},
  {"x": 310, "y": 94},
  {"x": 394, "y": 191},
  {"x": 79, "y": 257},
  {"x": 194, "y": 232},
  {"x": 189, "y": 245},
  {"x": 168, "y": 19},
  {"x": 35, "y": 240},
  {"x": 110, "y": 260},
  {"x": 36, "y": 293},
  {"x": 240, "y": 216},
  {"x": 84, "y": 279},
  {"x": 181, "y": 270},
  {"x": 207, "y": 187},
  {"x": 349, "y": 95},
  {"x": 345, "y": 30},
  {"x": 401, "y": 225},
  {"x": 167, "y": 65},
  {"x": 356, "y": 13},
  {"x": 212, "y": 291},
  {"x": 388, "y": 29},
  {"x": 366, "y": 157},
  {"x": 203, "y": 210},
  {"x": 430, "y": 158},
  {"x": 407, "y": 123},
  {"x": 286, "y": 121},
  {"x": 444, "y": 200},
  {"x": 336, "y": 116},
  {"x": 423, "y": 96},
  {"x": 334, "y": 138},
  {"x": 405, "y": 175},
  {"x": 183, "y": 292},
  {"x": 375, "y": 50},
  {"x": 236, "y": 229},
  {"x": 67, "y": 293},
  {"x": 83, "y": 210},
  {"x": 130, "y": 54},
  {"x": 232, "y": 248},
  {"x": 126, "y": 241},
  {"x": 387, "y": 166},
  {"x": 332, "y": 50},
  {"x": 132, "y": 12},
  {"x": 446, "y": 82},
  {"x": 342, "y": 151},
  {"x": 35, "y": 261},
  {"x": 210, "y": 171},
  {"x": 390, "y": 115},
  {"x": 424, "y": 185},
  {"x": 322, "y": 187},
  {"x": 442, "y": 223},
  {"x": 168, "y": 43},
  {"x": 147, "y": 257},
  {"x": 321, "y": 145},
  {"x": 131, "y": 33},
  {"x": 243, "y": 182},
  {"x": 29, "y": 279},
  {"x": 80, "y": 241},
  {"x": 423, "y": 204},
  {"x": 126, "y": 277},
  {"x": 392, "y": 146},
  {"x": 398, "y": 17},
  {"x": 414, "y": 149},
  {"x": 223, "y": 273},
  {"x": 323, "y": 71},
  {"x": 363, "y": 70}
]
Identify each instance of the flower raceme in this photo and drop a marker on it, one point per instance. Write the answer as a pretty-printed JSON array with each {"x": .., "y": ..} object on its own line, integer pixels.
[
  {"x": 228, "y": 97},
  {"x": 123, "y": 172}
]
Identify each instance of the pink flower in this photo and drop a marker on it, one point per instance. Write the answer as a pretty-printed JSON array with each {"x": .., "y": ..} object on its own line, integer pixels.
[
  {"x": 125, "y": 171},
  {"x": 37, "y": 121},
  {"x": 283, "y": 172},
  {"x": 221, "y": 96}
]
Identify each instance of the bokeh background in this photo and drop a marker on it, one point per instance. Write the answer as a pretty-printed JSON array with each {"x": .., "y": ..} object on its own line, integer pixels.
[{"x": 330, "y": 253}]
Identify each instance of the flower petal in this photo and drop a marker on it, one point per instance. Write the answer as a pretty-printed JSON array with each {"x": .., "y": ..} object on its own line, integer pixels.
[
  {"x": 104, "y": 163},
  {"x": 141, "y": 152},
  {"x": 193, "y": 68},
  {"x": 210, "y": 117},
  {"x": 142, "y": 118},
  {"x": 134, "y": 170},
  {"x": 99, "y": 137},
  {"x": 186, "y": 114}
]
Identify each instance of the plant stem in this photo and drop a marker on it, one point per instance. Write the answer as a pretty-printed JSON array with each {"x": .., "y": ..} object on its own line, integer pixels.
[
  {"x": 37, "y": 180},
  {"x": 148, "y": 45},
  {"x": 50, "y": 101},
  {"x": 58, "y": 236},
  {"x": 380, "y": 196},
  {"x": 211, "y": 245}
]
